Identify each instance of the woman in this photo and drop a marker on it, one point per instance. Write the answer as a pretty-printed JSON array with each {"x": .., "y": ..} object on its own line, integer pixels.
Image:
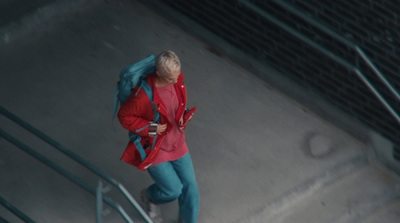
[{"x": 169, "y": 164}]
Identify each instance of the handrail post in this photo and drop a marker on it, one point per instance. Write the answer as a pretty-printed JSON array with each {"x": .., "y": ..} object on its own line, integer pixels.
[{"x": 99, "y": 203}]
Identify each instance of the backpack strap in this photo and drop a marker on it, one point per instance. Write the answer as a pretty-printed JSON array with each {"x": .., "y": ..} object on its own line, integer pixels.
[{"x": 136, "y": 138}]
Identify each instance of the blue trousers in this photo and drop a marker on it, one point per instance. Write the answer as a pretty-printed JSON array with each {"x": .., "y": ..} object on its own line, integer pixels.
[{"x": 176, "y": 180}]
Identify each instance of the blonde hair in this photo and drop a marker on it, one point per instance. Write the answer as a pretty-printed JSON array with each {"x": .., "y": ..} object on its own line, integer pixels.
[{"x": 167, "y": 62}]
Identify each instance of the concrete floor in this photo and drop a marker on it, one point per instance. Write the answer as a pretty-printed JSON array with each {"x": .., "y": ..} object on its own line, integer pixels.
[{"x": 259, "y": 155}]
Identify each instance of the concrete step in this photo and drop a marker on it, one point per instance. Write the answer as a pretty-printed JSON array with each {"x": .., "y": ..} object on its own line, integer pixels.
[{"x": 351, "y": 199}]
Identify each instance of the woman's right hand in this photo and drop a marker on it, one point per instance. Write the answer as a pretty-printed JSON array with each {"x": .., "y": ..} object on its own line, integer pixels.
[{"x": 161, "y": 128}]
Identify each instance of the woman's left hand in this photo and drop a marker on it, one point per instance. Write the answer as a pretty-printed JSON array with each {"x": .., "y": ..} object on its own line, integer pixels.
[{"x": 181, "y": 121}]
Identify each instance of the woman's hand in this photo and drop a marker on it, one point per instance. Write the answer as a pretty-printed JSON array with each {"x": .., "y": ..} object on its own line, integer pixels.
[
  {"x": 181, "y": 121},
  {"x": 161, "y": 128}
]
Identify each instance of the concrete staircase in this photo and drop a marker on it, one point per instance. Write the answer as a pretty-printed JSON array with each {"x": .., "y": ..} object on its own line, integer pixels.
[{"x": 355, "y": 189}]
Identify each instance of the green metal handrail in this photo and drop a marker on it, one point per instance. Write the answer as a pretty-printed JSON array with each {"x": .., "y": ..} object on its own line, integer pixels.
[
  {"x": 330, "y": 54},
  {"x": 76, "y": 158},
  {"x": 343, "y": 40},
  {"x": 63, "y": 172},
  {"x": 15, "y": 211}
]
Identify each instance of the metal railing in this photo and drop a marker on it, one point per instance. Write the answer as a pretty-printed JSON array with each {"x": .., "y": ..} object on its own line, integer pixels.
[
  {"x": 76, "y": 158},
  {"x": 15, "y": 211},
  {"x": 361, "y": 54}
]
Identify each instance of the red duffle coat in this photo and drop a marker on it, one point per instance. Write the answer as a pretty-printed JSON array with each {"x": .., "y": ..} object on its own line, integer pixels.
[{"x": 136, "y": 114}]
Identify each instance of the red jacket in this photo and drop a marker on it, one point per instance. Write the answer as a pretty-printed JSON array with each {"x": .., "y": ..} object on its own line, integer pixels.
[{"x": 136, "y": 113}]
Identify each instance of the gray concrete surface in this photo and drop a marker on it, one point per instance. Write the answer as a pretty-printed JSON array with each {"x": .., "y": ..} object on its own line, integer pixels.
[
  {"x": 14, "y": 10},
  {"x": 259, "y": 155}
]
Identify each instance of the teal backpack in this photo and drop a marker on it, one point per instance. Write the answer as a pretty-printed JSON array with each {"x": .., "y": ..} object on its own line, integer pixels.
[{"x": 131, "y": 76}]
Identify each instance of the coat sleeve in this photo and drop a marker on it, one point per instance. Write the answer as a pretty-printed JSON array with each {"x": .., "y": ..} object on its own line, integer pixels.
[{"x": 136, "y": 114}]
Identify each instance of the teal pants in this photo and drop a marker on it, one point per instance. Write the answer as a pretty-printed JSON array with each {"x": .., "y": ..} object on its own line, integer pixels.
[{"x": 176, "y": 180}]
